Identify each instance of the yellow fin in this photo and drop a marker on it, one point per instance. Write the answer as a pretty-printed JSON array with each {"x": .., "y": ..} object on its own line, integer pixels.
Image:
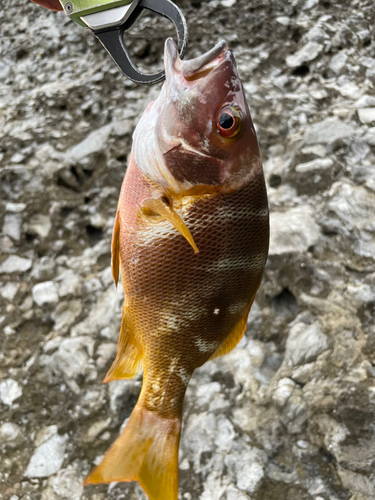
[
  {"x": 161, "y": 208},
  {"x": 128, "y": 362},
  {"x": 115, "y": 249},
  {"x": 147, "y": 452},
  {"x": 235, "y": 335}
]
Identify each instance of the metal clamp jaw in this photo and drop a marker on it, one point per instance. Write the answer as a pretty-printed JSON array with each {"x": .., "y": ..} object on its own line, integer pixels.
[{"x": 109, "y": 20}]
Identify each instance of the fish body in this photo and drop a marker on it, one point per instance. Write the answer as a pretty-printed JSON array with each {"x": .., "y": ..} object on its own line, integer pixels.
[{"x": 191, "y": 239}]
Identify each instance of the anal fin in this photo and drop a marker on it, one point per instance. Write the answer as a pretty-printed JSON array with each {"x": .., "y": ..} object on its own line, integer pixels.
[{"x": 128, "y": 361}]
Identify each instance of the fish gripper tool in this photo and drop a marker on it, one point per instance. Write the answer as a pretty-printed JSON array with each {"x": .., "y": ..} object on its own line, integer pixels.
[{"x": 110, "y": 19}]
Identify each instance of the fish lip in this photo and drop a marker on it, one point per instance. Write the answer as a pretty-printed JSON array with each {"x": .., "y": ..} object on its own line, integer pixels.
[
  {"x": 192, "y": 66},
  {"x": 189, "y": 68}
]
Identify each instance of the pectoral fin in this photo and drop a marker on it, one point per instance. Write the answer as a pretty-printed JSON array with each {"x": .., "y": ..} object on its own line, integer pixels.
[{"x": 159, "y": 207}]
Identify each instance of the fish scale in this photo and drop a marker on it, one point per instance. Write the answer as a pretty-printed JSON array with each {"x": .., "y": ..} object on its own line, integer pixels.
[{"x": 192, "y": 249}]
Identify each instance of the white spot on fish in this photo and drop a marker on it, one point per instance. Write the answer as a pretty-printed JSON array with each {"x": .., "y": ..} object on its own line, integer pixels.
[
  {"x": 181, "y": 372},
  {"x": 237, "y": 307},
  {"x": 184, "y": 376},
  {"x": 245, "y": 263},
  {"x": 216, "y": 311},
  {"x": 155, "y": 387},
  {"x": 205, "y": 345}
]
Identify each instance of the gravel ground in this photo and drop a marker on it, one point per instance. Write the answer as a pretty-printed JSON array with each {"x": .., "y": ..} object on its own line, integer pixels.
[{"x": 290, "y": 413}]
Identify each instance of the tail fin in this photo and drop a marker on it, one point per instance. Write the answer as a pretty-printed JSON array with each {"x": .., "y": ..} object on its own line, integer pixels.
[{"x": 147, "y": 452}]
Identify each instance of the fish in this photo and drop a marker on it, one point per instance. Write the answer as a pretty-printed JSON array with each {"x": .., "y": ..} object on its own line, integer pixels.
[{"x": 191, "y": 239}]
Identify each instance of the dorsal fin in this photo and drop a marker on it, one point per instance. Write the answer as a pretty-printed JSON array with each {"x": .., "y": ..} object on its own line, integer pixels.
[{"x": 116, "y": 249}]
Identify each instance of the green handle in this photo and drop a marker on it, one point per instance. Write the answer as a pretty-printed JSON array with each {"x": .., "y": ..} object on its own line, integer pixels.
[{"x": 78, "y": 8}]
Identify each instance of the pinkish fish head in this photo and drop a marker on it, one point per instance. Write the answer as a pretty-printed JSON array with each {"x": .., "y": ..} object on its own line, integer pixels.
[{"x": 204, "y": 138}]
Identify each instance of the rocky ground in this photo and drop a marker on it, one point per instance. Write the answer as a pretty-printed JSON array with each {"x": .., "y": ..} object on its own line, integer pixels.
[{"x": 290, "y": 413}]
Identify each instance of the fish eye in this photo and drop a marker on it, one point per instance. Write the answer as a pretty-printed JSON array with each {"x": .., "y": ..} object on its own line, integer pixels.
[{"x": 228, "y": 122}]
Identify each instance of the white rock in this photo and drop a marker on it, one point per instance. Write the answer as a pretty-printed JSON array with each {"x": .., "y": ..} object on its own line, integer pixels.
[
  {"x": 359, "y": 484},
  {"x": 105, "y": 352},
  {"x": 12, "y": 226},
  {"x": 304, "y": 343},
  {"x": 6, "y": 245},
  {"x": 284, "y": 20},
  {"x": 283, "y": 391},
  {"x": 205, "y": 392},
  {"x": 52, "y": 345},
  {"x": 123, "y": 127},
  {"x": 365, "y": 245},
  {"x": 17, "y": 158},
  {"x": 9, "y": 432},
  {"x": 363, "y": 293},
  {"x": 45, "y": 269},
  {"x": 306, "y": 54},
  {"x": 9, "y": 290},
  {"x": 366, "y": 101},
  {"x": 72, "y": 355},
  {"x": 91, "y": 285},
  {"x": 39, "y": 224},
  {"x": 10, "y": 390},
  {"x": 328, "y": 131},
  {"x": 292, "y": 231},
  {"x": 228, "y": 3},
  {"x": 94, "y": 142},
  {"x": 45, "y": 293},
  {"x": 316, "y": 33},
  {"x": 102, "y": 314},
  {"x": 233, "y": 493},
  {"x": 15, "y": 207},
  {"x": 314, "y": 165},
  {"x": 370, "y": 136},
  {"x": 45, "y": 434},
  {"x": 309, "y": 4},
  {"x": 318, "y": 93},
  {"x": 48, "y": 457},
  {"x": 67, "y": 484},
  {"x": 303, "y": 373},
  {"x": 121, "y": 391},
  {"x": 348, "y": 89},
  {"x": 353, "y": 204},
  {"x": 70, "y": 283},
  {"x": 15, "y": 264},
  {"x": 8, "y": 330},
  {"x": 4, "y": 71},
  {"x": 246, "y": 466},
  {"x": 65, "y": 314},
  {"x": 106, "y": 276},
  {"x": 27, "y": 304},
  {"x": 366, "y": 115},
  {"x": 95, "y": 429},
  {"x": 316, "y": 150},
  {"x": 338, "y": 62},
  {"x": 199, "y": 436}
]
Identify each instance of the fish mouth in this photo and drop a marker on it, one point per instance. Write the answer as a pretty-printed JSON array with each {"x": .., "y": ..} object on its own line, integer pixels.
[{"x": 193, "y": 69}]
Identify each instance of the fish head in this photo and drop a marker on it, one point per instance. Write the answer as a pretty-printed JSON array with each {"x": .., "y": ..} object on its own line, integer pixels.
[{"x": 204, "y": 138}]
